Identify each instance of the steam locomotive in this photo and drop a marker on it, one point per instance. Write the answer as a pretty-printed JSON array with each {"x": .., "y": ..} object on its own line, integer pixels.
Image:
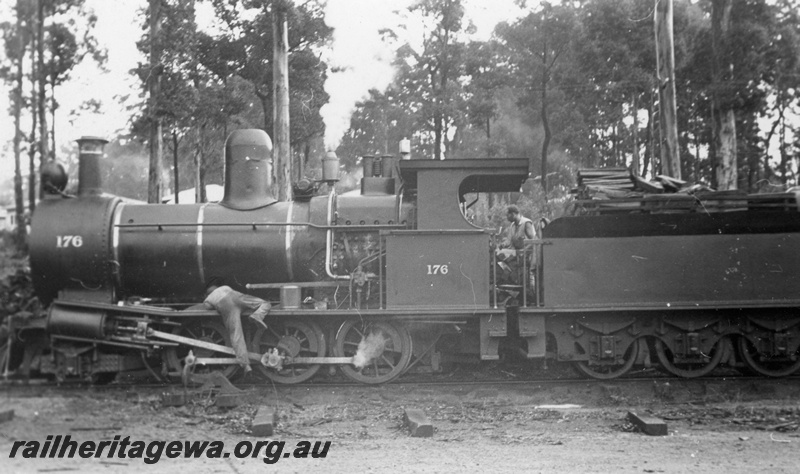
[{"x": 687, "y": 282}]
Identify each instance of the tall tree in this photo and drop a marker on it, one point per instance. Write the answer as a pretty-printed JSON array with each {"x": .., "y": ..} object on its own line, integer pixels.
[
  {"x": 153, "y": 85},
  {"x": 65, "y": 50},
  {"x": 537, "y": 43},
  {"x": 431, "y": 75},
  {"x": 282, "y": 153},
  {"x": 245, "y": 47},
  {"x": 41, "y": 101},
  {"x": 19, "y": 203},
  {"x": 486, "y": 79},
  {"x": 33, "y": 143},
  {"x": 376, "y": 122},
  {"x": 723, "y": 115},
  {"x": 15, "y": 41},
  {"x": 665, "y": 58}
]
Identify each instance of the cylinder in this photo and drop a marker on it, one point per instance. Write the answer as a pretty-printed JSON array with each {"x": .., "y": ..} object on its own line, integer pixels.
[
  {"x": 330, "y": 167},
  {"x": 366, "y": 162},
  {"x": 248, "y": 170},
  {"x": 76, "y": 322},
  {"x": 90, "y": 150}
]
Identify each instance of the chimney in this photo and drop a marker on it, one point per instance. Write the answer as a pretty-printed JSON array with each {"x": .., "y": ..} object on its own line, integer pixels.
[
  {"x": 90, "y": 151},
  {"x": 248, "y": 170}
]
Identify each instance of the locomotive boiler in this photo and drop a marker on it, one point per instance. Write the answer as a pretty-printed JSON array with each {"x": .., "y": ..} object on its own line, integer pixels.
[{"x": 393, "y": 276}]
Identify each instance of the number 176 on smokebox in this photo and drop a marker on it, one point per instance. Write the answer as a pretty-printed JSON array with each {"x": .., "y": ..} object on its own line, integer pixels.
[{"x": 438, "y": 269}]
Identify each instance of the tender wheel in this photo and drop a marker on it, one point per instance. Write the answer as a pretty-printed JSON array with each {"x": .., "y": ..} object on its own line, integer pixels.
[
  {"x": 765, "y": 364},
  {"x": 691, "y": 369},
  {"x": 608, "y": 370},
  {"x": 385, "y": 350},
  {"x": 291, "y": 338},
  {"x": 208, "y": 331}
]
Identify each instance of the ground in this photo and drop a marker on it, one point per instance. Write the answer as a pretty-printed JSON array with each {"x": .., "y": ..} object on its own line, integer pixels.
[{"x": 718, "y": 426}]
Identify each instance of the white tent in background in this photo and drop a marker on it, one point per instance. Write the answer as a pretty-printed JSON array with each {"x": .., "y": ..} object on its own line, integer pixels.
[{"x": 214, "y": 193}]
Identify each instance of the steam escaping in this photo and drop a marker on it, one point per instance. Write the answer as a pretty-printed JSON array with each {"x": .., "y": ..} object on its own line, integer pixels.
[
  {"x": 360, "y": 58},
  {"x": 368, "y": 349}
]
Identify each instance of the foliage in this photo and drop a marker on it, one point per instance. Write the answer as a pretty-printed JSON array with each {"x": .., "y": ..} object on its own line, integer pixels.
[
  {"x": 214, "y": 83},
  {"x": 428, "y": 79},
  {"x": 597, "y": 86},
  {"x": 569, "y": 84}
]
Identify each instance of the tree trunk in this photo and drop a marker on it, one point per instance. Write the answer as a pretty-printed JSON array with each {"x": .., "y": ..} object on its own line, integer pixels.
[
  {"x": 437, "y": 116},
  {"x": 665, "y": 57},
  {"x": 306, "y": 156},
  {"x": 635, "y": 159},
  {"x": 34, "y": 144},
  {"x": 696, "y": 137},
  {"x": 726, "y": 166},
  {"x": 443, "y": 126},
  {"x": 545, "y": 123},
  {"x": 266, "y": 107},
  {"x": 489, "y": 140},
  {"x": 782, "y": 147},
  {"x": 780, "y": 108},
  {"x": 44, "y": 146},
  {"x": 19, "y": 199},
  {"x": 282, "y": 154},
  {"x": 723, "y": 117},
  {"x": 155, "y": 139},
  {"x": 53, "y": 106},
  {"x": 200, "y": 165},
  {"x": 176, "y": 186},
  {"x": 648, "y": 139}
]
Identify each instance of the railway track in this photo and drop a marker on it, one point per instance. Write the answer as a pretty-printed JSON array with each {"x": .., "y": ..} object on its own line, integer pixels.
[{"x": 414, "y": 382}]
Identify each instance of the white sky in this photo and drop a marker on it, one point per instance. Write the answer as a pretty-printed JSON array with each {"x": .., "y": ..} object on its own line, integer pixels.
[{"x": 118, "y": 28}]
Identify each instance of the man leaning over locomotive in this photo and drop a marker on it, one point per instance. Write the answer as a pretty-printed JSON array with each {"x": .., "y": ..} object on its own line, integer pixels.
[
  {"x": 521, "y": 228},
  {"x": 230, "y": 304}
]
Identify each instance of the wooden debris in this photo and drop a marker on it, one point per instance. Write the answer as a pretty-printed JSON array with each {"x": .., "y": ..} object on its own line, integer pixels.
[
  {"x": 174, "y": 399},
  {"x": 648, "y": 425},
  {"x": 229, "y": 400},
  {"x": 671, "y": 183},
  {"x": 6, "y": 415},
  {"x": 648, "y": 186},
  {"x": 264, "y": 422},
  {"x": 419, "y": 426}
]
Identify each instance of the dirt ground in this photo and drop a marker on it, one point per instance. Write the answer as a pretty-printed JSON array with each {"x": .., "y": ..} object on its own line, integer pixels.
[{"x": 727, "y": 426}]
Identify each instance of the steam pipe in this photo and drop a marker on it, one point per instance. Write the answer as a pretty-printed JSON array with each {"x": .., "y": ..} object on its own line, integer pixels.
[{"x": 329, "y": 241}]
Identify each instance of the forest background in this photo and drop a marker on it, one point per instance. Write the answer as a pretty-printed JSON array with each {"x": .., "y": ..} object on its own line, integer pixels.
[{"x": 567, "y": 85}]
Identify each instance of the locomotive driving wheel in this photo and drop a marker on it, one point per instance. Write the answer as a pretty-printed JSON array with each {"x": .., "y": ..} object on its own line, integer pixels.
[
  {"x": 767, "y": 364},
  {"x": 381, "y": 350},
  {"x": 292, "y": 339},
  {"x": 208, "y": 331},
  {"x": 696, "y": 367},
  {"x": 606, "y": 370}
]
